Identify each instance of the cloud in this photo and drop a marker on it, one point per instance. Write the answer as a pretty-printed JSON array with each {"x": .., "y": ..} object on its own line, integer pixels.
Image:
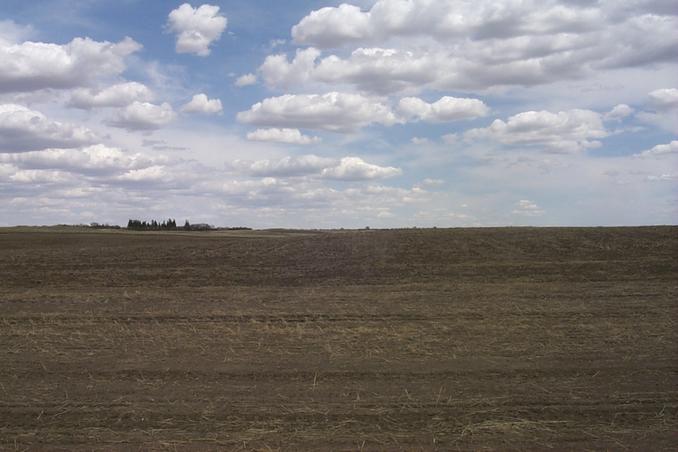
[
  {"x": 664, "y": 177},
  {"x": 287, "y": 166},
  {"x": 392, "y": 70},
  {"x": 23, "y": 129},
  {"x": 144, "y": 116},
  {"x": 420, "y": 141},
  {"x": 196, "y": 28},
  {"x": 278, "y": 72},
  {"x": 660, "y": 150},
  {"x": 97, "y": 160},
  {"x": 381, "y": 195},
  {"x": 640, "y": 40},
  {"x": 442, "y": 20},
  {"x": 450, "y": 45},
  {"x": 355, "y": 168},
  {"x": 289, "y": 136},
  {"x": 202, "y": 104},
  {"x": 565, "y": 131},
  {"x": 664, "y": 99},
  {"x": 155, "y": 173},
  {"x": 98, "y": 168},
  {"x": 279, "y": 200},
  {"x": 332, "y": 27},
  {"x": 246, "y": 80},
  {"x": 41, "y": 177},
  {"x": 345, "y": 169},
  {"x": 528, "y": 208},
  {"x": 444, "y": 110},
  {"x": 369, "y": 69},
  {"x": 336, "y": 112},
  {"x": 119, "y": 95},
  {"x": 618, "y": 113},
  {"x": 31, "y": 66},
  {"x": 447, "y": 21},
  {"x": 428, "y": 182},
  {"x": 450, "y": 138},
  {"x": 665, "y": 105},
  {"x": 161, "y": 145},
  {"x": 11, "y": 32}
]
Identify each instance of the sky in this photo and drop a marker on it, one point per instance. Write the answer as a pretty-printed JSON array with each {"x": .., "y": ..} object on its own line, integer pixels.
[{"x": 321, "y": 114}]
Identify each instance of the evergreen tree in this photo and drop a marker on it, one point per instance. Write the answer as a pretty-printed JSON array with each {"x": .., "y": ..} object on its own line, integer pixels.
[{"x": 154, "y": 225}]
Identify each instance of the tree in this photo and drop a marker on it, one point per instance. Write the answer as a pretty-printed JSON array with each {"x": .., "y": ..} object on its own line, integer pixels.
[{"x": 155, "y": 225}]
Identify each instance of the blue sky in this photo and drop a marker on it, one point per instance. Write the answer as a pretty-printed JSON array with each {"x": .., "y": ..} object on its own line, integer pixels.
[{"x": 388, "y": 113}]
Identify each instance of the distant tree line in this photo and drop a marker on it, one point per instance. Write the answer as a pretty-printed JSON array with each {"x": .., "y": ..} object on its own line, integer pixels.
[
  {"x": 171, "y": 225},
  {"x": 95, "y": 226},
  {"x": 153, "y": 225}
]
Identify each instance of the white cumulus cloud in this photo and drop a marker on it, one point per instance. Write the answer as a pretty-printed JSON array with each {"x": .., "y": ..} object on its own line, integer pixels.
[
  {"x": 144, "y": 116},
  {"x": 444, "y": 110},
  {"x": 202, "y": 104},
  {"x": 330, "y": 27},
  {"x": 23, "y": 129},
  {"x": 619, "y": 112},
  {"x": 11, "y": 32},
  {"x": 246, "y": 80},
  {"x": 369, "y": 69},
  {"x": 565, "y": 131},
  {"x": 290, "y": 136},
  {"x": 445, "y": 20},
  {"x": 355, "y": 168},
  {"x": 660, "y": 150},
  {"x": 118, "y": 95},
  {"x": 470, "y": 45},
  {"x": 420, "y": 141},
  {"x": 344, "y": 169},
  {"x": 196, "y": 28},
  {"x": 278, "y": 72},
  {"x": 528, "y": 208},
  {"x": 664, "y": 110},
  {"x": 337, "y": 112},
  {"x": 95, "y": 159},
  {"x": 665, "y": 98},
  {"x": 41, "y": 177},
  {"x": 155, "y": 173},
  {"x": 303, "y": 165},
  {"x": 31, "y": 66}
]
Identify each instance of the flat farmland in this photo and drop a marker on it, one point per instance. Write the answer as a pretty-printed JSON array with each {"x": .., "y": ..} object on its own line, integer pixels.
[{"x": 437, "y": 339}]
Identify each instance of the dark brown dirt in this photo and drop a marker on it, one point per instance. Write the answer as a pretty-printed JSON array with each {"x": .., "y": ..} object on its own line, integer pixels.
[{"x": 468, "y": 339}]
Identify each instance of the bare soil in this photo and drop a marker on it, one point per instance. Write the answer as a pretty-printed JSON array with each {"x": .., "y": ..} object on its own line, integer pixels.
[{"x": 447, "y": 339}]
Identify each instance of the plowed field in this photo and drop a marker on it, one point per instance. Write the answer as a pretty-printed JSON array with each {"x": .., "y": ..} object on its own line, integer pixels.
[{"x": 506, "y": 339}]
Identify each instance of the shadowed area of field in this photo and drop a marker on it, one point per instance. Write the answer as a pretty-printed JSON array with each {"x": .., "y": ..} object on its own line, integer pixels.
[{"x": 522, "y": 338}]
